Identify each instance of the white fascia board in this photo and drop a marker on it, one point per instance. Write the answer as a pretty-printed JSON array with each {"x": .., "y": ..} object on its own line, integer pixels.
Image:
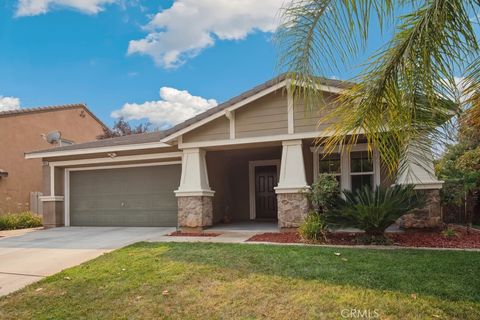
[
  {"x": 138, "y": 157},
  {"x": 127, "y": 147},
  {"x": 216, "y": 143},
  {"x": 260, "y": 139},
  {"x": 122, "y": 166},
  {"x": 325, "y": 88}
]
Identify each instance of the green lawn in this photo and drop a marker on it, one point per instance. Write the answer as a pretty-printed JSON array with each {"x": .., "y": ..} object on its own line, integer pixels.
[{"x": 223, "y": 281}]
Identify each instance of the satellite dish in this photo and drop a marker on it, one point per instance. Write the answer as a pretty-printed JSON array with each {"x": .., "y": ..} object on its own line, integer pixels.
[{"x": 53, "y": 137}]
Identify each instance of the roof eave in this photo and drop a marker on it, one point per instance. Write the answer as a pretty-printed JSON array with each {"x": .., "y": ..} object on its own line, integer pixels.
[{"x": 126, "y": 147}]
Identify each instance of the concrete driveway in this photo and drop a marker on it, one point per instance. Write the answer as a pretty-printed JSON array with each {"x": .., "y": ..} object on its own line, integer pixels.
[{"x": 32, "y": 256}]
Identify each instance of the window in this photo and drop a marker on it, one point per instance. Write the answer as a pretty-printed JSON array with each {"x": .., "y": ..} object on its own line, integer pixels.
[
  {"x": 353, "y": 169},
  {"x": 361, "y": 169},
  {"x": 330, "y": 163}
]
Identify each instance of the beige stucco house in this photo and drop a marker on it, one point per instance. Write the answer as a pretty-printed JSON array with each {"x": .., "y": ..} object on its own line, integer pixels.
[
  {"x": 21, "y": 130},
  {"x": 250, "y": 158}
]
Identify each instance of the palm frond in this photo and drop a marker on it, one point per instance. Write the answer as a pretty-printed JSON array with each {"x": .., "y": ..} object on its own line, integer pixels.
[
  {"x": 408, "y": 91},
  {"x": 320, "y": 36}
]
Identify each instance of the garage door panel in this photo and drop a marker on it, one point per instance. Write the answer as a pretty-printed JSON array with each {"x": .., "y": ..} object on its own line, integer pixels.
[
  {"x": 141, "y": 196},
  {"x": 132, "y": 219}
]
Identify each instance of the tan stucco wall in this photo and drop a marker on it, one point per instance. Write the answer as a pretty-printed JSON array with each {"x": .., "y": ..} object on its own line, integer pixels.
[
  {"x": 22, "y": 133},
  {"x": 264, "y": 117}
]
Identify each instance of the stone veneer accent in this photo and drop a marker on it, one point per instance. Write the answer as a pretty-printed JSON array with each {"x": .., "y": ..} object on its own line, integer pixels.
[
  {"x": 195, "y": 212},
  {"x": 292, "y": 209},
  {"x": 430, "y": 216}
]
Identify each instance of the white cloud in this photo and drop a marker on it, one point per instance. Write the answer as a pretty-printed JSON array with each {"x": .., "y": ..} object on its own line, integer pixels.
[
  {"x": 9, "y": 103},
  {"x": 189, "y": 26},
  {"x": 37, "y": 7},
  {"x": 173, "y": 107}
]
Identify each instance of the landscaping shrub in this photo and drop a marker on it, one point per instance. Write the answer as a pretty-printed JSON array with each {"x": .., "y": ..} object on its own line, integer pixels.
[
  {"x": 449, "y": 233},
  {"x": 324, "y": 197},
  {"x": 22, "y": 220},
  {"x": 375, "y": 210},
  {"x": 314, "y": 228},
  {"x": 324, "y": 193}
]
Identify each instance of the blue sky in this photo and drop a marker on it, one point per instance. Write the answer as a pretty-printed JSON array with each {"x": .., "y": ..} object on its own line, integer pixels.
[{"x": 83, "y": 52}]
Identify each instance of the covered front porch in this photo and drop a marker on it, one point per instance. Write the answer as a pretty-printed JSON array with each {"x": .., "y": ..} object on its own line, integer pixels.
[
  {"x": 267, "y": 182},
  {"x": 262, "y": 183}
]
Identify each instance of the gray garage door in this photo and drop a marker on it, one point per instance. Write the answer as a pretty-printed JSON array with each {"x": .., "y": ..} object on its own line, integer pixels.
[{"x": 136, "y": 197}]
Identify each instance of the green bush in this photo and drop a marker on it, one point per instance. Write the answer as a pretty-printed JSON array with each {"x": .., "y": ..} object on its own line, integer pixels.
[
  {"x": 375, "y": 210},
  {"x": 314, "y": 228},
  {"x": 449, "y": 233},
  {"x": 325, "y": 193},
  {"x": 21, "y": 220}
]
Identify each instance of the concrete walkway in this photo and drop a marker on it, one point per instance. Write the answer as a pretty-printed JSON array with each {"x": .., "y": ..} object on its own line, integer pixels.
[
  {"x": 224, "y": 237},
  {"x": 237, "y": 232},
  {"x": 32, "y": 256}
]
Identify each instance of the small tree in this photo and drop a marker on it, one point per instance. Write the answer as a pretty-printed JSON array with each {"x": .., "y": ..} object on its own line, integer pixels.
[
  {"x": 460, "y": 166},
  {"x": 325, "y": 193},
  {"x": 123, "y": 128},
  {"x": 324, "y": 197}
]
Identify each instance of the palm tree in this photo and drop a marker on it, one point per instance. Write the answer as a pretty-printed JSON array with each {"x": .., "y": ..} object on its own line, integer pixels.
[{"x": 408, "y": 90}]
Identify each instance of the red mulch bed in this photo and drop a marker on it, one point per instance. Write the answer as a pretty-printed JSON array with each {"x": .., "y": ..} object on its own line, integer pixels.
[
  {"x": 411, "y": 238},
  {"x": 193, "y": 234}
]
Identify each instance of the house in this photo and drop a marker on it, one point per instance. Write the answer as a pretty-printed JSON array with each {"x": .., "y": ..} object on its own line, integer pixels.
[
  {"x": 26, "y": 129},
  {"x": 250, "y": 158}
]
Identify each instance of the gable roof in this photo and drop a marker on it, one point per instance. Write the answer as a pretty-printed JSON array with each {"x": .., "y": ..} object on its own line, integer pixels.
[
  {"x": 28, "y": 111},
  {"x": 158, "y": 138},
  {"x": 279, "y": 80}
]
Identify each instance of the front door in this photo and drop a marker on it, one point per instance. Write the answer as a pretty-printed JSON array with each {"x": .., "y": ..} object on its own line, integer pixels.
[{"x": 265, "y": 197}]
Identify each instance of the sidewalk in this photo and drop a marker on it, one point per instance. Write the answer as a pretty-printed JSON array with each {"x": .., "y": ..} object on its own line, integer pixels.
[{"x": 12, "y": 233}]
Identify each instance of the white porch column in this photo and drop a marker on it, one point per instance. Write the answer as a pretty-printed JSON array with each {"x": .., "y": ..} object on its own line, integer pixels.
[
  {"x": 194, "y": 179},
  {"x": 195, "y": 208},
  {"x": 417, "y": 168},
  {"x": 293, "y": 205},
  {"x": 292, "y": 170}
]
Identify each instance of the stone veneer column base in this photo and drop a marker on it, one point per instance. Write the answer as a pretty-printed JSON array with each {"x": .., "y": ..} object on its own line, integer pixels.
[
  {"x": 195, "y": 212},
  {"x": 430, "y": 216},
  {"x": 292, "y": 210}
]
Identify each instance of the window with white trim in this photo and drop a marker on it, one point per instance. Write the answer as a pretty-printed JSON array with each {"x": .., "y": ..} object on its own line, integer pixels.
[
  {"x": 361, "y": 170},
  {"x": 353, "y": 169},
  {"x": 330, "y": 163}
]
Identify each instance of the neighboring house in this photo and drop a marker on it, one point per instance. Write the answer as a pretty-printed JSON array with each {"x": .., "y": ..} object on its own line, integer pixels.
[
  {"x": 250, "y": 158},
  {"x": 26, "y": 129}
]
